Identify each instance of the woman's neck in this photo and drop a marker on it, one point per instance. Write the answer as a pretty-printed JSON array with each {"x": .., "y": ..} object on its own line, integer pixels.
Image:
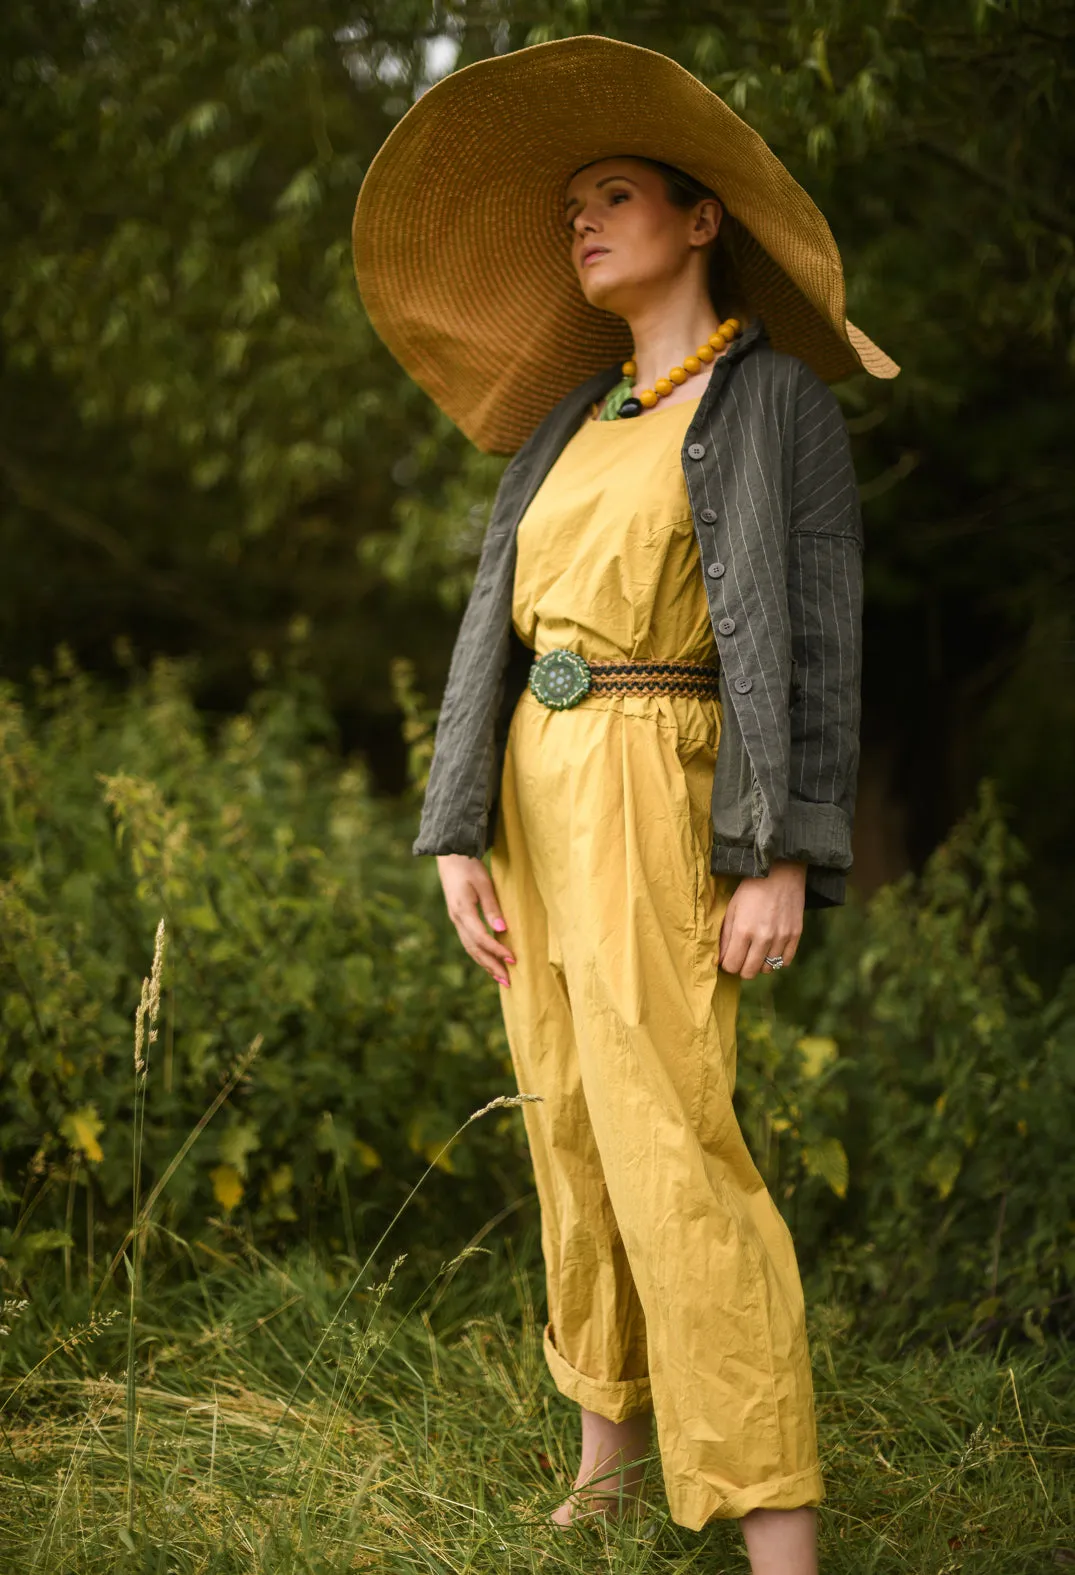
[{"x": 666, "y": 329}]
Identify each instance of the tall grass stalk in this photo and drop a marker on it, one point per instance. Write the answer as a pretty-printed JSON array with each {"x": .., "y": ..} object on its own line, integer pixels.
[
  {"x": 501, "y": 1102},
  {"x": 227, "y": 1088},
  {"x": 145, "y": 1035}
]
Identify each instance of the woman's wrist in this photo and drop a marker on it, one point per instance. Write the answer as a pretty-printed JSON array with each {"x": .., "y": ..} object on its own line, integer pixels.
[{"x": 789, "y": 868}]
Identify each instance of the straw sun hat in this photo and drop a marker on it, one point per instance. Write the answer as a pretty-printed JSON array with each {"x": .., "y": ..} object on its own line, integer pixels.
[{"x": 463, "y": 259}]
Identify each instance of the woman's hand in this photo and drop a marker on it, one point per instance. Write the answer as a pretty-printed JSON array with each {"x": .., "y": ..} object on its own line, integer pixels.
[
  {"x": 468, "y": 887},
  {"x": 764, "y": 918}
]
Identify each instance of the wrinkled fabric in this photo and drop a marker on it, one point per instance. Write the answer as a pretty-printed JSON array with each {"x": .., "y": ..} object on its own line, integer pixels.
[{"x": 671, "y": 1275}]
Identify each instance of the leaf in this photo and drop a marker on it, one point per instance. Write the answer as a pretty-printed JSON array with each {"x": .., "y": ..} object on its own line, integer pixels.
[
  {"x": 82, "y": 1128},
  {"x": 817, "y": 1051},
  {"x": 236, "y": 1142},
  {"x": 366, "y": 1155},
  {"x": 942, "y": 1170},
  {"x": 828, "y": 1160},
  {"x": 203, "y": 917},
  {"x": 302, "y": 193},
  {"x": 227, "y": 1186},
  {"x": 427, "y": 1133},
  {"x": 36, "y": 1241},
  {"x": 280, "y": 1181}
]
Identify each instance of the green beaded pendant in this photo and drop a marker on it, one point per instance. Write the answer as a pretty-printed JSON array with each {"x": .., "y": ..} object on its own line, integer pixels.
[{"x": 616, "y": 398}]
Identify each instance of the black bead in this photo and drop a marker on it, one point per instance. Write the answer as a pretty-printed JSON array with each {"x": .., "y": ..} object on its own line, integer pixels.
[{"x": 630, "y": 407}]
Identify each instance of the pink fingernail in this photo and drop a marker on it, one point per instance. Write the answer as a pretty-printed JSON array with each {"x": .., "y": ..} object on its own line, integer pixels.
[
  {"x": 499, "y": 924},
  {"x": 501, "y": 981}
]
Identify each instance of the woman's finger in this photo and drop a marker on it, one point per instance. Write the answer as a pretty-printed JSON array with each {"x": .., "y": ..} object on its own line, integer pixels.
[
  {"x": 485, "y": 893},
  {"x": 782, "y": 946},
  {"x": 760, "y": 947},
  {"x": 483, "y": 947},
  {"x": 727, "y": 953}
]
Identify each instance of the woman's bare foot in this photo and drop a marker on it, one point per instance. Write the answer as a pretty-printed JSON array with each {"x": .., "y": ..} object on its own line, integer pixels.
[{"x": 610, "y": 1473}]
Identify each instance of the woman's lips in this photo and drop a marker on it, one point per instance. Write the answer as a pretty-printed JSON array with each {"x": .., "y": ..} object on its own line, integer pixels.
[{"x": 592, "y": 253}]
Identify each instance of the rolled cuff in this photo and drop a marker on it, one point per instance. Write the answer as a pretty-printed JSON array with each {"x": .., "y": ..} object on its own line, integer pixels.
[
  {"x": 468, "y": 840},
  {"x": 825, "y": 888},
  {"x": 816, "y": 834},
  {"x": 614, "y": 1399},
  {"x": 695, "y": 1504}
]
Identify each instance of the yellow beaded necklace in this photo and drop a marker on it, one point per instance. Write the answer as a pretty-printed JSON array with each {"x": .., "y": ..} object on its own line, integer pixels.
[{"x": 623, "y": 403}]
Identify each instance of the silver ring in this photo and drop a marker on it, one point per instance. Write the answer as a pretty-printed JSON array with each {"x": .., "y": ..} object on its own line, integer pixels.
[{"x": 775, "y": 962}]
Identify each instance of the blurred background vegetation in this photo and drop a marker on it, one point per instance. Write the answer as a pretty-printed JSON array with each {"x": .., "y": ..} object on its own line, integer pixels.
[
  {"x": 204, "y": 449},
  {"x": 249, "y": 538},
  {"x": 235, "y": 545}
]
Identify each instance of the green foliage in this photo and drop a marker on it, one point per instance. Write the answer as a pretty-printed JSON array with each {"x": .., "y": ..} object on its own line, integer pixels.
[
  {"x": 904, "y": 1087},
  {"x": 202, "y": 442},
  {"x": 294, "y": 915},
  {"x": 909, "y": 1091},
  {"x": 195, "y": 417}
]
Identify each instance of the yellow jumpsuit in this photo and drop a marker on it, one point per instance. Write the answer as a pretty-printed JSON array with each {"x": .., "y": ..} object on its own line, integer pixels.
[{"x": 671, "y": 1276}]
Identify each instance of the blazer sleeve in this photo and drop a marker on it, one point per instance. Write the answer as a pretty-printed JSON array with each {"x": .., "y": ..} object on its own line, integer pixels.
[{"x": 825, "y": 547}]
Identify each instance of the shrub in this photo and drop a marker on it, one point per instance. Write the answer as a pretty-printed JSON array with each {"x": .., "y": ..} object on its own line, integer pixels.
[
  {"x": 906, "y": 1087},
  {"x": 909, "y": 1092},
  {"x": 294, "y": 912}
]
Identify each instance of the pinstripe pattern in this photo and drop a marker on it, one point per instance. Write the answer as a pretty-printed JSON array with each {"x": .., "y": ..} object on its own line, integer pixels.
[{"x": 776, "y": 473}]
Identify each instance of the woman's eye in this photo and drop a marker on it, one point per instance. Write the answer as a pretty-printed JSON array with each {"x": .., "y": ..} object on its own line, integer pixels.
[{"x": 618, "y": 196}]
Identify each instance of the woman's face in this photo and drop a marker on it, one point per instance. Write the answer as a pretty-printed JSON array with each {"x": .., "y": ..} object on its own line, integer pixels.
[{"x": 627, "y": 239}]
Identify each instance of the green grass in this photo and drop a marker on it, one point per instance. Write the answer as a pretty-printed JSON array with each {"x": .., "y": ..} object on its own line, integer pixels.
[{"x": 269, "y": 1437}]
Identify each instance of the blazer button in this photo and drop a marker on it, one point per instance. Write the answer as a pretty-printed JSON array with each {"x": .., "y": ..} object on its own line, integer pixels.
[
  {"x": 696, "y": 451},
  {"x": 708, "y": 515},
  {"x": 715, "y": 571},
  {"x": 726, "y": 626},
  {"x": 743, "y": 686}
]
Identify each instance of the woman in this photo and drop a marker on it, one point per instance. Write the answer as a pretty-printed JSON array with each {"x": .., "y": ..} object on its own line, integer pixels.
[{"x": 651, "y": 715}]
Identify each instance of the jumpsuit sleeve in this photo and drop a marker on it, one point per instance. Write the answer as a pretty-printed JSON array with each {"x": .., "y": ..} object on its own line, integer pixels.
[{"x": 825, "y": 549}]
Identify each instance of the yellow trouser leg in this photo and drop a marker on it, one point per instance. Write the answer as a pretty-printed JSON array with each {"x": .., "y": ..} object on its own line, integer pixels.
[
  {"x": 595, "y": 1338},
  {"x": 664, "y": 1252}
]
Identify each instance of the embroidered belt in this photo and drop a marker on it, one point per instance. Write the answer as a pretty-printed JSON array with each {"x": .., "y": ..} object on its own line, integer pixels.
[{"x": 560, "y": 679}]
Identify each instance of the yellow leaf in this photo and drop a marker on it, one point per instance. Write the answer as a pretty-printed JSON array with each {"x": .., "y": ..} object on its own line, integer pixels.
[
  {"x": 227, "y": 1187},
  {"x": 366, "y": 1155},
  {"x": 82, "y": 1128},
  {"x": 435, "y": 1157},
  {"x": 828, "y": 1160},
  {"x": 817, "y": 1051},
  {"x": 427, "y": 1133}
]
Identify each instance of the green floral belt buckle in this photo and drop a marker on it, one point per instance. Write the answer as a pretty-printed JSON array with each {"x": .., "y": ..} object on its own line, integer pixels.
[{"x": 560, "y": 679}]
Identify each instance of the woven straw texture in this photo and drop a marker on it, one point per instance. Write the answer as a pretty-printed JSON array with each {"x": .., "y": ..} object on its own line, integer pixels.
[{"x": 463, "y": 259}]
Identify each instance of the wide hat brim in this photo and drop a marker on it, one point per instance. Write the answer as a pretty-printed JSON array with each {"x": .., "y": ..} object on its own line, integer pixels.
[{"x": 463, "y": 259}]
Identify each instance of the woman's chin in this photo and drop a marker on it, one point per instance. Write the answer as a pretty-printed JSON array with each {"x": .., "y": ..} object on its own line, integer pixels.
[{"x": 606, "y": 294}]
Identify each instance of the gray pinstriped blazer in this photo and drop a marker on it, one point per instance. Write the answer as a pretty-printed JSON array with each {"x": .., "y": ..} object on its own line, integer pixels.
[{"x": 776, "y": 514}]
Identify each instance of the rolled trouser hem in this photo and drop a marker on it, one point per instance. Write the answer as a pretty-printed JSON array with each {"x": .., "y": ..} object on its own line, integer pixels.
[
  {"x": 614, "y": 1399},
  {"x": 695, "y": 1506}
]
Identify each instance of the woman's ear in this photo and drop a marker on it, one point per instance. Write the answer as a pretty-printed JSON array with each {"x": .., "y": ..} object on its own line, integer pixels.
[{"x": 707, "y": 217}]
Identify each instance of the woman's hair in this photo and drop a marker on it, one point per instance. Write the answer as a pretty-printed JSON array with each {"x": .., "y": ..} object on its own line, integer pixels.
[{"x": 683, "y": 192}]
